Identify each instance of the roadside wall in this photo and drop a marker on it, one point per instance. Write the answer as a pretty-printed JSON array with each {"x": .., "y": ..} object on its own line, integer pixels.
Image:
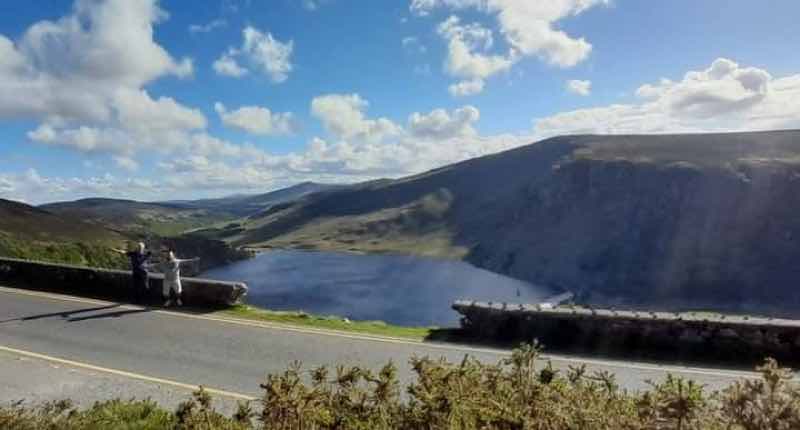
[
  {"x": 113, "y": 284},
  {"x": 680, "y": 335}
]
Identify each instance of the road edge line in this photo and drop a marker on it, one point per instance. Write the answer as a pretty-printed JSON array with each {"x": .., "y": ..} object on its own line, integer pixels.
[
  {"x": 259, "y": 324},
  {"x": 126, "y": 374},
  {"x": 452, "y": 347}
]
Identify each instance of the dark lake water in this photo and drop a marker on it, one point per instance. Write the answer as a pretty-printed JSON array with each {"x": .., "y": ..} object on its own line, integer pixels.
[{"x": 397, "y": 289}]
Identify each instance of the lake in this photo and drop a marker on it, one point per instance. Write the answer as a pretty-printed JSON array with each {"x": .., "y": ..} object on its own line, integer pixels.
[{"x": 401, "y": 290}]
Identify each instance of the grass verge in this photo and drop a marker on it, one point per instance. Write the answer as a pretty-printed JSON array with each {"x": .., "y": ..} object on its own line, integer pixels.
[{"x": 302, "y": 319}]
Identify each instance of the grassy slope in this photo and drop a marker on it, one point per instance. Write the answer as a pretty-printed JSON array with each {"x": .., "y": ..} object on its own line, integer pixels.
[
  {"x": 36, "y": 234},
  {"x": 140, "y": 218}
]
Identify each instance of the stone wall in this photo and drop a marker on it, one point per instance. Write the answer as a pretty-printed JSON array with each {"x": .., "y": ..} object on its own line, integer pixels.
[
  {"x": 669, "y": 335},
  {"x": 113, "y": 284}
]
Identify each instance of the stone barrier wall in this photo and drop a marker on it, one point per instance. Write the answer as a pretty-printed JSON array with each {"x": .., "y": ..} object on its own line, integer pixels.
[
  {"x": 113, "y": 284},
  {"x": 679, "y": 335}
]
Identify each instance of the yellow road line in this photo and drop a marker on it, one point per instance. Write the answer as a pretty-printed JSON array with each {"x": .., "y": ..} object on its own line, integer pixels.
[
  {"x": 131, "y": 375},
  {"x": 452, "y": 347}
]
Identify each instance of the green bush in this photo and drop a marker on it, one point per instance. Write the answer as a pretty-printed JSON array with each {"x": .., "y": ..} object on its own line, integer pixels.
[{"x": 517, "y": 393}]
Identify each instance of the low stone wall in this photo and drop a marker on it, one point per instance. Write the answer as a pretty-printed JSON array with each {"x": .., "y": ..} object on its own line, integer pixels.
[
  {"x": 671, "y": 335},
  {"x": 113, "y": 284}
]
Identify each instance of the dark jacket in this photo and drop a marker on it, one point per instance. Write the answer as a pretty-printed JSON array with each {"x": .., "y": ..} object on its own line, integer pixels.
[{"x": 139, "y": 262}]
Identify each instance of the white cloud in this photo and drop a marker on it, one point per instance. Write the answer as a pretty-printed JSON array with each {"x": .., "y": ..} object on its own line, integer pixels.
[
  {"x": 207, "y": 28},
  {"x": 257, "y": 120},
  {"x": 31, "y": 187},
  {"x": 83, "y": 78},
  {"x": 528, "y": 27},
  {"x": 466, "y": 88},
  {"x": 84, "y": 81},
  {"x": 86, "y": 139},
  {"x": 466, "y": 58},
  {"x": 579, "y": 87},
  {"x": 226, "y": 65},
  {"x": 126, "y": 163},
  {"x": 271, "y": 55},
  {"x": 343, "y": 116},
  {"x": 262, "y": 51},
  {"x": 360, "y": 148},
  {"x": 439, "y": 124},
  {"x": 136, "y": 110},
  {"x": 69, "y": 69},
  {"x": 424, "y": 7},
  {"x": 723, "y": 97}
]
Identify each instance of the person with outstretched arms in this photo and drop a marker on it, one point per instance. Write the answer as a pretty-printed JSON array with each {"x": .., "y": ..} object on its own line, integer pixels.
[
  {"x": 139, "y": 259},
  {"x": 171, "y": 267}
]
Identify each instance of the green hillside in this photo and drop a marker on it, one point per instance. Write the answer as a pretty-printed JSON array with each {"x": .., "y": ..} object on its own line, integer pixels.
[{"x": 33, "y": 233}]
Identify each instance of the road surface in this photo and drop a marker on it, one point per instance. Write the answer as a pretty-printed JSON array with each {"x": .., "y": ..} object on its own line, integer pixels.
[{"x": 54, "y": 346}]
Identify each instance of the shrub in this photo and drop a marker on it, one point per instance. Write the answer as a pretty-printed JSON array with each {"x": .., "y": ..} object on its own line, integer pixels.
[{"x": 517, "y": 393}]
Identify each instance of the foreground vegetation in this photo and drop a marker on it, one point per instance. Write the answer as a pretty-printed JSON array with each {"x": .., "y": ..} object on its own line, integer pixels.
[
  {"x": 299, "y": 318},
  {"x": 517, "y": 393},
  {"x": 77, "y": 253}
]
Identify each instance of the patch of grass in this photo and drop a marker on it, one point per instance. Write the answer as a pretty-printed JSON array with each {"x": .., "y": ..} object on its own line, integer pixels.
[{"x": 297, "y": 318}]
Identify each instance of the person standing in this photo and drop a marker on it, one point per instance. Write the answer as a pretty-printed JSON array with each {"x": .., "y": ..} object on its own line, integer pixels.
[
  {"x": 172, "y": 278},
  {"x": 139, "y": 259}
]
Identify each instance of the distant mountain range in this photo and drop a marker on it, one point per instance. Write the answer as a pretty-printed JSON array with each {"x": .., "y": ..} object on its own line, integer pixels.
[
  {"x": 85, "y": 231},
  {"x": 245, "y": 205},
  {"x": 176, "y": 217},
  {"x": 706, "y": 221}
]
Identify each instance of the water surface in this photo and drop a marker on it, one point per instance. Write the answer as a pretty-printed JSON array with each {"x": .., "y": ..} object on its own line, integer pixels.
[{"x": 397, "y": 289}]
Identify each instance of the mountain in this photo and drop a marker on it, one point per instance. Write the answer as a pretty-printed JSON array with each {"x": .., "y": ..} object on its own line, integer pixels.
[
  {"x": 176, "y": 217},
  {"x": 245, "y": 205},
  {"x": 189, "y": 227},
  {"x": 29, "y": 222},
  {"x": 677, "y": 221},
  {"x": 138, "y": 217}
]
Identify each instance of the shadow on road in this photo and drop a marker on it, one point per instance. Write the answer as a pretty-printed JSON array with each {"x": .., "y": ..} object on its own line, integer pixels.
[
  {"x": 62, "y": 314},
  {"x": 116, "y": 314}
]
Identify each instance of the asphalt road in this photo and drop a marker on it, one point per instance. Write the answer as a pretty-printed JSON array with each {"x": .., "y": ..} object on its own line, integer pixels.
[{"x": 88, "y": 350}]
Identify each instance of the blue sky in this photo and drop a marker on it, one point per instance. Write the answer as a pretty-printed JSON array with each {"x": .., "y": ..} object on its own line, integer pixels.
[{"x": 173, "y": 99}]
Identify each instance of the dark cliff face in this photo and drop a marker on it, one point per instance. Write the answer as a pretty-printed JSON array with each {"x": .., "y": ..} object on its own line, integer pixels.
[
  {"x": 701, "y": 221},
  {"x": 705, "y": 232}
]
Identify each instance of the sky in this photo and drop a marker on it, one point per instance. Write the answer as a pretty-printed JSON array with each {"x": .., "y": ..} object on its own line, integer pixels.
[{"x": 179, "y": 99}]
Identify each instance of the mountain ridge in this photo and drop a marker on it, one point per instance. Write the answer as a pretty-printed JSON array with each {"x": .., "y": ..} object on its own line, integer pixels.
[{"x": 678, "y": 220}]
